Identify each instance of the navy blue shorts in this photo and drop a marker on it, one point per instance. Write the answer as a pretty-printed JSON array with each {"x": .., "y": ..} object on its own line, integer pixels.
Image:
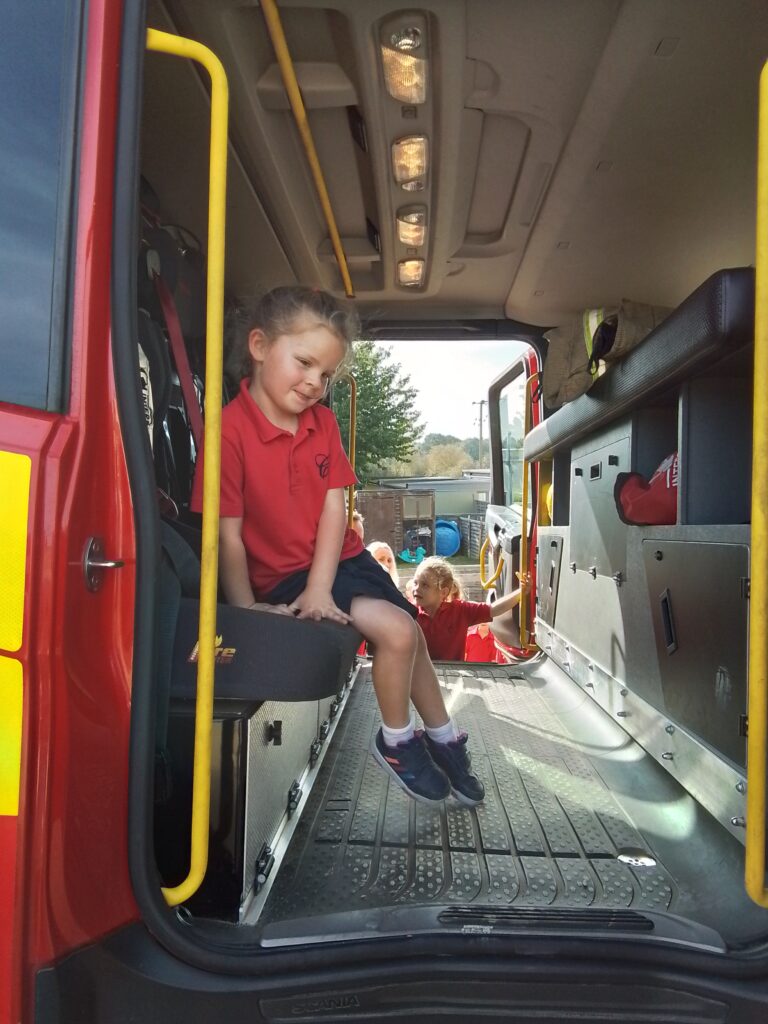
[{"x": 359, "y": 576}]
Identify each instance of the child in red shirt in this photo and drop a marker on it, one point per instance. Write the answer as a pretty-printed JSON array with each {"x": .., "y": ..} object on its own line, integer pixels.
[
  {"x": 445, "y": 616},
  {"x": 284, "y": 544}
]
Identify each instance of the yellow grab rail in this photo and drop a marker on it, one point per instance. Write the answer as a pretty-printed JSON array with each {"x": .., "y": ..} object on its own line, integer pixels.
[
  {"x": 524, "y": 567},
  {"x": 163, "y": 42},
  {"x": 285, "y": 63},
  {"x": 754, "y": 854},
  {"x": 352, "y": 440},
  {"x": 488, "y": 583}
]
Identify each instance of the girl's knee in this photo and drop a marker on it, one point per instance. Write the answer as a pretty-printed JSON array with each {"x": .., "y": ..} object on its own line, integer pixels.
[{"x": 401, "y": 637}]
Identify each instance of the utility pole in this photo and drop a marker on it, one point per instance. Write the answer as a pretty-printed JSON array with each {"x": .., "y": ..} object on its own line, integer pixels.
[{"x": 481, "y": 403}]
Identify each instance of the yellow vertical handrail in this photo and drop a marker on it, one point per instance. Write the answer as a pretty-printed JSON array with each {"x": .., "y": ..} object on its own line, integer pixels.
[
  {"x": 163, "y": 42},
  {"x": 285, "y": 63},
  {"x": 754, "y": 854},
  {"x": 524, "y": 567},
  {"x": 349, "y": 379}
]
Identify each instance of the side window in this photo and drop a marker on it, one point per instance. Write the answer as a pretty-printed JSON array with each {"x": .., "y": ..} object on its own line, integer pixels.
[
  {"x": 512, "y": 428},
  {"x": 38, "y": 57}
]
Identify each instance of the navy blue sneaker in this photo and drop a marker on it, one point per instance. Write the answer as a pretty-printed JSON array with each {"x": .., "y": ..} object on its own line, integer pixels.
[
  {"x": 456, "y": 762},
  {"x": 411, "y": 767}
]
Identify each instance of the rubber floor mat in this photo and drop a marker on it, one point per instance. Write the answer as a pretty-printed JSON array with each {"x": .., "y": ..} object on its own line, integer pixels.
[{"x": 549, "y": 832}]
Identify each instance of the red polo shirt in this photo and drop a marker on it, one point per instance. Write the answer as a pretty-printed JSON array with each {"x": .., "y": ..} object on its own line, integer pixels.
[
  {"x": 446, "y": 632},
  {"x": 276, "y": 482}
]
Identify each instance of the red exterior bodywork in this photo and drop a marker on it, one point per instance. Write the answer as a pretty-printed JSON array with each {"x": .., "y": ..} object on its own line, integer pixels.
[{"x": 69, "y": 843}]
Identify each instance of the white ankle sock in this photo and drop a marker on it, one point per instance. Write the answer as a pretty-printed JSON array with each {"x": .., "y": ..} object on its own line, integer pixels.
[
  {"x": 394, "y": 736},
  {"x": 444, "y": 733}
]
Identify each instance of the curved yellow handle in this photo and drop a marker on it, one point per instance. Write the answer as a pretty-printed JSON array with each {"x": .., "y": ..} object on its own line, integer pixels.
[
  {"x": 177, "y": 46},
  {"x": 487, "y": 584},
  {"x": 754, "y": 859},
  {"x": 525, "y": 567},
  {"x": 288, "y": 72},
  {"x": 349, "y": 379}
]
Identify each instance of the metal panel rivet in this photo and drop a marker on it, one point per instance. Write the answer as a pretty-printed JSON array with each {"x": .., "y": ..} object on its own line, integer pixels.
[
  {"x": 738, "y": 822},
  {"x": 668, "y": 756},
  {"x": 741, "y": 787},
  {"x": 669, "y": 729}
]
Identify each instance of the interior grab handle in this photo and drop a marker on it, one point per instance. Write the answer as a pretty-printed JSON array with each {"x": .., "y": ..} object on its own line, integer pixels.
[
  {"x": 668, "y": 622},
  {"x": 488, "y": 583},
  {"x": 754, "y": 853},
  {"x": 349, "y": 379},
  {"x": 177, "y": 46}
]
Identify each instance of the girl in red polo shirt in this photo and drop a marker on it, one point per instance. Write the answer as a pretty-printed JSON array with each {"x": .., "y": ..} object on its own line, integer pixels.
[
  {"x": 444, "y": 616},
  {"x": 284, "y": 544}
]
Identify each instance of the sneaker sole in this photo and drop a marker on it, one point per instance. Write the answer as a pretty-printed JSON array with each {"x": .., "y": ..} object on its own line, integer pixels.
[
  {"x": 466, "y": 800},
  {"x": 379, "y": 757}
]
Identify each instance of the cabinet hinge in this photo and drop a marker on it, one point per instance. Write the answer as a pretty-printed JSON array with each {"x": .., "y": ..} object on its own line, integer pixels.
[
  {"x": 744, "y": 583},
  {"x": 743, "y": 725}
]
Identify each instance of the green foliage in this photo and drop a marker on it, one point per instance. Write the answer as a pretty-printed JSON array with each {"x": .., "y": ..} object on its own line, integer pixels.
[
  {"x": 447, "y": 460},
  {"x": 431, "y": 440},
  {"x": 388, "y": 427},
  {"x": 471, "y": 446}
]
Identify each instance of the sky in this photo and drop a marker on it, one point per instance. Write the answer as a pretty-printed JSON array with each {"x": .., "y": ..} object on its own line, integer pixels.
[{"x": 449, "y": 380}]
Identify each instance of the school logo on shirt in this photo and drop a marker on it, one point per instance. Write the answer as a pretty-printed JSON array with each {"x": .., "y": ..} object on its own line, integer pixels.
[{"x": 323, "y": 463}]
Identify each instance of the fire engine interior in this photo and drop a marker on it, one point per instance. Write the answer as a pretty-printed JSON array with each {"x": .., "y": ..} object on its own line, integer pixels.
[{"x": 577, "y": 155}]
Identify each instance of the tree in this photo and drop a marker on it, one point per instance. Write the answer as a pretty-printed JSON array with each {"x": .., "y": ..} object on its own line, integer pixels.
[
  {"x": 431, "y": 440},
  {"x": 447, "y": 460},
  {"x": 471, "y": 446},
  {"x": 387, "y": 420}
]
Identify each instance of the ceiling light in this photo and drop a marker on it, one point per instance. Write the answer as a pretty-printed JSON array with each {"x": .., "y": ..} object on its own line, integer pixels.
[
  {"x": 409, "y": 162},
  {"x": 404, "y": 57},
  {"x": 412, "y": 225},
  {"x": 405, "y": 74},
  {"x": 410, "y": 272},
  {"x": 405, "y": 39}
]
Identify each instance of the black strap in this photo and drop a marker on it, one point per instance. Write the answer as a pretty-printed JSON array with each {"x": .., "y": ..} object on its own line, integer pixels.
[
  {"x": 183, "y": 560},
  {"x": 602, "y": 341},
  {"x": 179, "y": 575}
]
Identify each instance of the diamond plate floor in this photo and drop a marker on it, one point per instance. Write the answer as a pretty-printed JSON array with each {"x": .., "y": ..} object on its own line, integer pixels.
[{"x": 548, "y": 834}]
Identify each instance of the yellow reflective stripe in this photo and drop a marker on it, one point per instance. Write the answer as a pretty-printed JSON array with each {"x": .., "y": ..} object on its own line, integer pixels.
[
  {"x": 10, "y": 734},
  {"x": 15, "y": 471}
]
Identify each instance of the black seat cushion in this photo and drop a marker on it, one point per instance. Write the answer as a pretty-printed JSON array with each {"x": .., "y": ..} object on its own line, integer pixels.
[
  {"x": 712, "y": 323},
  {"x": 263, "y": 656}
]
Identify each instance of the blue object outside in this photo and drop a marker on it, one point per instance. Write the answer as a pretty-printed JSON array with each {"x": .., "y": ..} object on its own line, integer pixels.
[{"x": 447, "y": 538}]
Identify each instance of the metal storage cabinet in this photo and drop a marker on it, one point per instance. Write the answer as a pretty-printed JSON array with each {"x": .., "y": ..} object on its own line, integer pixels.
[{"x": 255, "y": 762}]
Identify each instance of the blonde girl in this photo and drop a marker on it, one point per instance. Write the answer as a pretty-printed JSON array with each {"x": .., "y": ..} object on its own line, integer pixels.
[
  {"x": 385, "y": 556},
  {"x": 444, "y": 615}
]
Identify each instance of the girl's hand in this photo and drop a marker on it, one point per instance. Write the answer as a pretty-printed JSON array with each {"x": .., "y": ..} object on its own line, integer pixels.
[
  {"x": 525, "y": 581},
  {"x": 318, "y": 605},
  {"x": 276, "y": 609}
]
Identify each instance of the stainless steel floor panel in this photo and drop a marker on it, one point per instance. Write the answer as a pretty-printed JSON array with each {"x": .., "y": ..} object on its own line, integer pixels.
[{"x": 567, "y": 795}]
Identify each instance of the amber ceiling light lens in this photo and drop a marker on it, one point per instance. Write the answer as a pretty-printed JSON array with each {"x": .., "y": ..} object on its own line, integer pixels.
[
  {"x": 410, "y": 273},
  {"x": 409, "y": 162},
  {"x": 412, "y": 225},
  {"x": 405, "y": 72}
]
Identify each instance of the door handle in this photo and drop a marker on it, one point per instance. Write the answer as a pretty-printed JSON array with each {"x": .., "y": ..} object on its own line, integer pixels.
[{"x": 94, "y": 563}]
